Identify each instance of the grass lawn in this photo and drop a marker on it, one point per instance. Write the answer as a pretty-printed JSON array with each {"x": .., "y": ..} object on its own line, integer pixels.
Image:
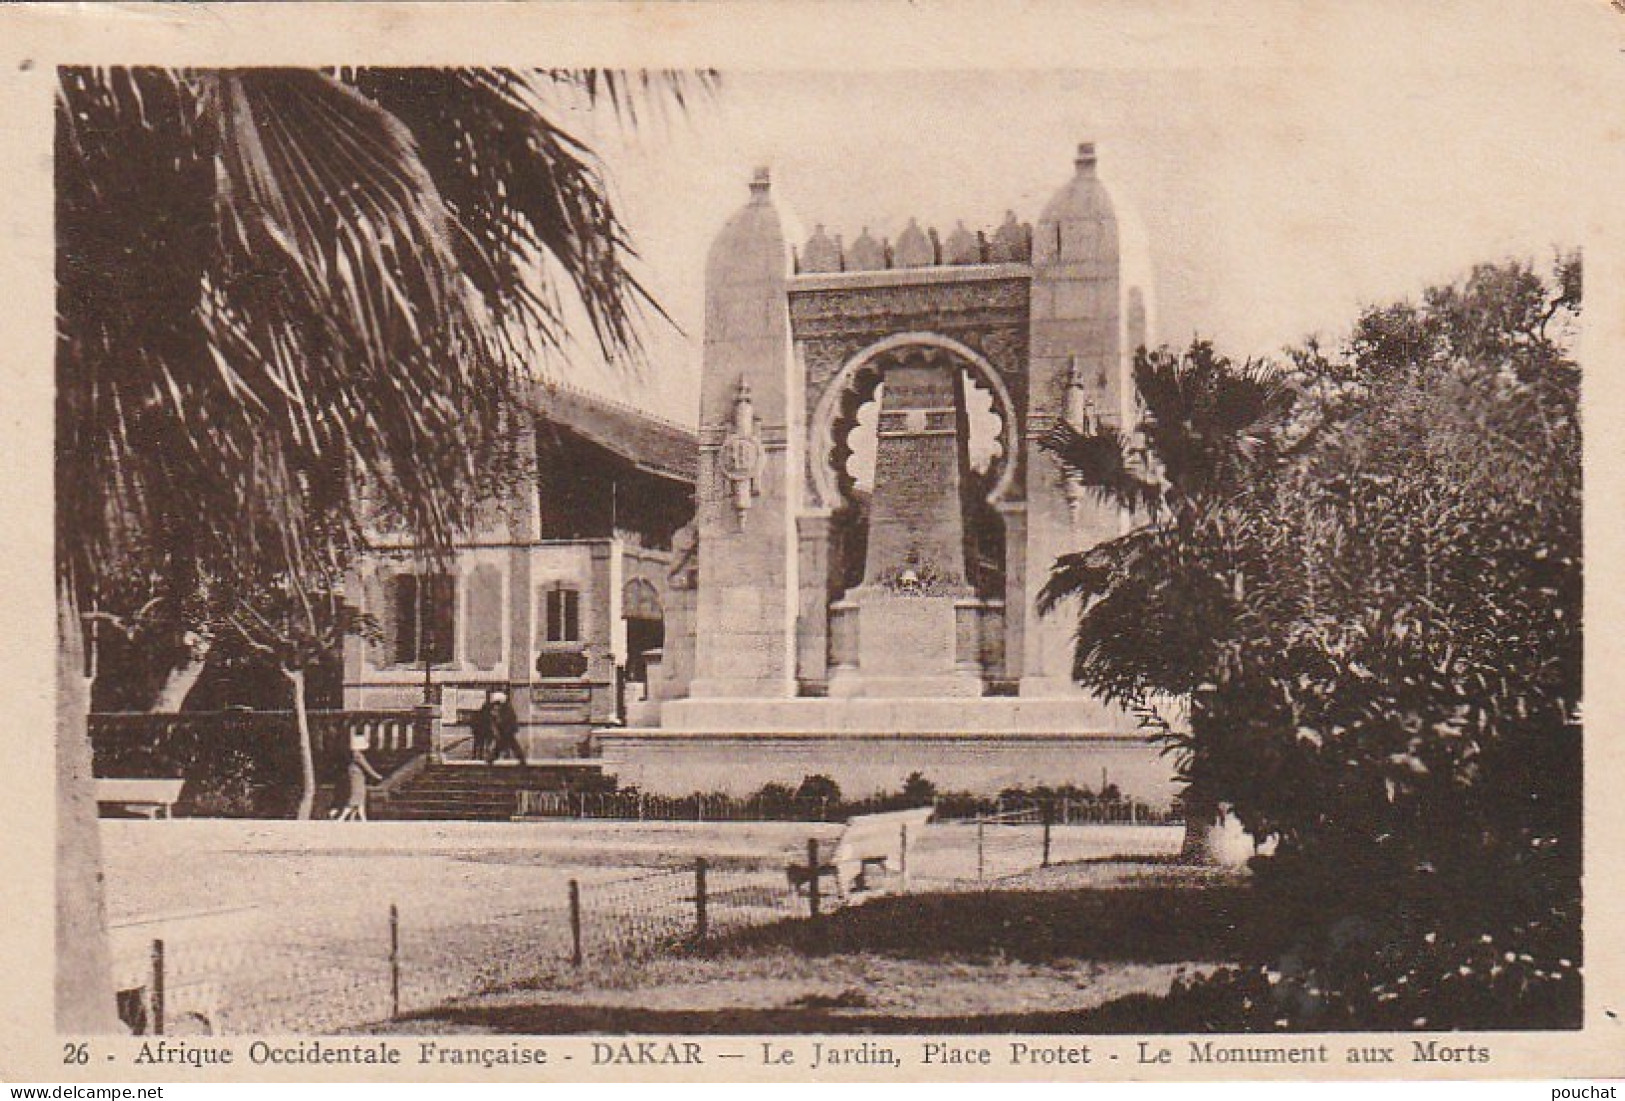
[{"x": 1033, "y": 956}]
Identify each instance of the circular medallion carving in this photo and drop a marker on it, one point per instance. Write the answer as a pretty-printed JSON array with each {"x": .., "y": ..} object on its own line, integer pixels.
[{"x": 742, "y": 457}]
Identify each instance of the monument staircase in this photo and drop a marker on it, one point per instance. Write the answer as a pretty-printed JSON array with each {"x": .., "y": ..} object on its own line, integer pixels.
[{"x": 477, "y": 792}]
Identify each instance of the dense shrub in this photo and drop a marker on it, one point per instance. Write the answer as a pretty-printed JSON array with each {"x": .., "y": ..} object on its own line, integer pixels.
[
  {"x": 236, "y": 764},
  {"x": 819, "y": 788},
  {"x": 811, "y": 802},
  {"x": 1377, "y": 634},
  {"x": 1399, "y": 706},
  {"x": 918, "y": 790}
]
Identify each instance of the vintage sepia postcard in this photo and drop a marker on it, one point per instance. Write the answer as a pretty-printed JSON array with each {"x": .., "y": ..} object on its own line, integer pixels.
[{"x": 607, "y": 542}]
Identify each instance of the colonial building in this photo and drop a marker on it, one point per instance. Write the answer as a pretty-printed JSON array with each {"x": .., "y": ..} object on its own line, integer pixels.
[{"x": 556, "y": 598}]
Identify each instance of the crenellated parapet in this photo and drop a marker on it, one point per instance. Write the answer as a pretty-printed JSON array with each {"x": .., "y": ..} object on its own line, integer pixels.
[{"x": 1011, "y": 242}]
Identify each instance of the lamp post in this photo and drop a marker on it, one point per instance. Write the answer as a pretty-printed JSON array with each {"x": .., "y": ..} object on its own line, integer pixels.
[{"x": 423, "y": 649}]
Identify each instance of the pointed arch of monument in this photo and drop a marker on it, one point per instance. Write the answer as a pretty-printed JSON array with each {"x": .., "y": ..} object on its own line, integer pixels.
[{"x": 821, "y": 426}]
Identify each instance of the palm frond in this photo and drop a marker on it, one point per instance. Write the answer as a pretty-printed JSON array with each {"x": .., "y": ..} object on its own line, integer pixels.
[
  {"x": 340, "y": 293},
  {"x": 276, "y": 285},
  {"x": 1207, "y": 419},
  {"x": 1100, "y": 460},
  {"x": 263, "y": 300},
  {"x": 134, "y": 228},
  {"x": 527, "y": 193},
  {"x": 1092, "y": 573},
  {"x": 644, "y": 91}
]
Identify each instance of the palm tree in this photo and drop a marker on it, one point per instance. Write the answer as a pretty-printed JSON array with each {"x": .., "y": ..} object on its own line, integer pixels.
[
  {"x": 1155, "y": 605},
  {"x": 276, "y": 286}
]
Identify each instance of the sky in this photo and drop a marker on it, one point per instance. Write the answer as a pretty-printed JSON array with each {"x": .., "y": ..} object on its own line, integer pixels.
[{"x": 1262, "y": 198}]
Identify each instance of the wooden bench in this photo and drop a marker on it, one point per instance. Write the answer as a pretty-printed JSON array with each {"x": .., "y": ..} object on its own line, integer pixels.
[
  {"x": 152, "y": 798},
  {"x": 871, "y": 855}
]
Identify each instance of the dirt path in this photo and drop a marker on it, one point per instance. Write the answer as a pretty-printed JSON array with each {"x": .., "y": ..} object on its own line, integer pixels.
[{"x": 484, "y": 907}]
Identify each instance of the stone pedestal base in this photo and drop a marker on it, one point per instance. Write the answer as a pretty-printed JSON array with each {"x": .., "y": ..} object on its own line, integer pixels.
[
  {"x": 1082, "y": 715},
  {"x": 733, "y": 688},
  {"x": 1050, "y": 688},
  {"x": 902, "y": 646},
  {"x": 850, "y": 684}
]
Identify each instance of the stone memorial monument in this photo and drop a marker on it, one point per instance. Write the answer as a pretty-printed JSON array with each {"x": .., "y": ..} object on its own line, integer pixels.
[{"x": 867, "y": 579}]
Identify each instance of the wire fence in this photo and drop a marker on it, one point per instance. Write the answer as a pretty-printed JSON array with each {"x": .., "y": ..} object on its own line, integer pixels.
[
  {"x": 992, "y": 849},
  {"x": 633, "y": 915},
  {"x": 255, "y": 970},
  {"x": 637, "y": 806},
  {"x": 1004, "y": 845},
  {"x": 239, "y": 973}
]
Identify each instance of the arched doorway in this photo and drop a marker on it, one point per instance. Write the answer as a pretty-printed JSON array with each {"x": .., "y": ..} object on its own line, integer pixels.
[{"x": 645, "y": 621}]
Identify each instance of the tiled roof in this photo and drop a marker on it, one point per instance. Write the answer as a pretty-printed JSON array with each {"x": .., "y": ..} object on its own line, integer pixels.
[{"x": 652, "y": 443}]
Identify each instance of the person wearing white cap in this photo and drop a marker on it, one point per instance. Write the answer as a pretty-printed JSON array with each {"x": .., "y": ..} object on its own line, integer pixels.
[{"x": 504, "y": 726}]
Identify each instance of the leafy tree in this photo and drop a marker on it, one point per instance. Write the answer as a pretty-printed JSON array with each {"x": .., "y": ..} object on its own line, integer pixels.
[
  {"x": 918, "y": 790},
  {"x": 1153, "y": 615},
  {"x": 293, "y": 619},
  {"x": 1400, "y": 708},
  {"x": 276, "y": 286},
  {"x": 818, "y": 788},
  {"x": 1390, "y": 680}
]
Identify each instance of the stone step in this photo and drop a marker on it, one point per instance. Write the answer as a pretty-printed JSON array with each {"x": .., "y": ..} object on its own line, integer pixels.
[
  {"x": 437, "y": 814},
  {"x": 456, "y": 798},
  {"x": 506, "y": 803},
  {"x": 482, "y": 792},
  {"x": 534, "y": 783},
  {"x": 452, "y": 808},
  {"x": 499, "y": 771},
  {"x": 429, "y": 791}
]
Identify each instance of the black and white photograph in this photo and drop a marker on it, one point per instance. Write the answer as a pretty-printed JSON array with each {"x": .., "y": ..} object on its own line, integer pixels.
[{"x": 781, "y": 564}]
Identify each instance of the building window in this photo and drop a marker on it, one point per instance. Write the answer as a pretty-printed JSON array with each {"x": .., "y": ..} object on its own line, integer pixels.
[
  {"x": 563, "y": 618},
  {"x": 424, "y": 611}
]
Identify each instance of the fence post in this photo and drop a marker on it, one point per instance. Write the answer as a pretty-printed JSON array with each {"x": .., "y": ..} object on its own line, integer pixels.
[
  {"x": 157, "y": 998},
  {"x": 1047, "y": 810},
  {"x": 815, "y": 923},
  {"x": 812, "y": 878},
  {"x": 981, "y": 830},
  {"x": 699, "y": 899},
  {"x": 575, "y": 923},
  {"x": 394, "y": 962},
  {"x": 1133, "y": 813},
  {"x": 902, "y": 858}
]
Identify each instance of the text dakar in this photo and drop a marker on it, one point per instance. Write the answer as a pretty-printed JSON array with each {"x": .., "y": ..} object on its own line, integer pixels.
[{"x": 645, "y": 1053}]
